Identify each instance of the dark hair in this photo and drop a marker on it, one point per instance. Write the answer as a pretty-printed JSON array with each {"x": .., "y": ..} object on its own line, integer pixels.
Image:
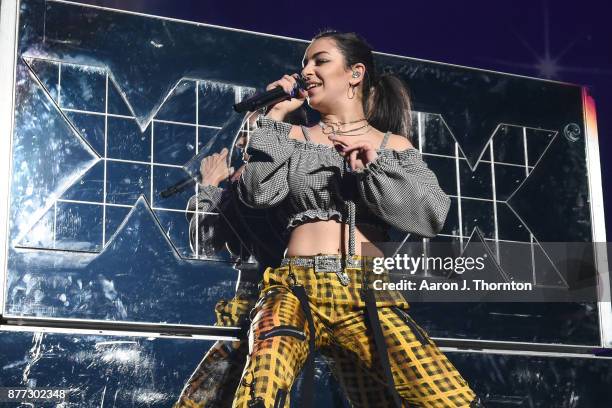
[
  {"x": 386, "y": 101},
  {"x": 297, "y": 117}
]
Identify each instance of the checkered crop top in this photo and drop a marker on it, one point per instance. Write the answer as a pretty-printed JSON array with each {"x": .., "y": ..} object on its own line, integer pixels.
[{"x": 397, "y": 189}]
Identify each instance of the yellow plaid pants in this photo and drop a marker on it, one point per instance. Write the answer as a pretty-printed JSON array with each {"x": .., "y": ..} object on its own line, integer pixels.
[
  {"x": 213, "y": 383},
  {"x": 279, "y": 345}
]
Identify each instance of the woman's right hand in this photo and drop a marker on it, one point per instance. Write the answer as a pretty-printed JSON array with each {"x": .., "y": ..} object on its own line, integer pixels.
[
  {"x": 213, "y": 168},
  {"x": 281, "y": 109}
]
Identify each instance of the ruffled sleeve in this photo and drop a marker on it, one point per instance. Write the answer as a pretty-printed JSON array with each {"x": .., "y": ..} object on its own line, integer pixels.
[
  {"x": 263, "y": 183},
  {"x": 205, "y": 202},
  {"x": 400, "y": 189}
]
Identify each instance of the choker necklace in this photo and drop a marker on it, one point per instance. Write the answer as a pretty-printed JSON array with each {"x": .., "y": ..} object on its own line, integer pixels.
[
  {"x": 332, "y": 128},
  {"x": 329, "y": 122}
]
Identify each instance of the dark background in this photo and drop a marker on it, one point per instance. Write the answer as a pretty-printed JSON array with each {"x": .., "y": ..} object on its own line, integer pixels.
[{"x": 568, "y": 41}]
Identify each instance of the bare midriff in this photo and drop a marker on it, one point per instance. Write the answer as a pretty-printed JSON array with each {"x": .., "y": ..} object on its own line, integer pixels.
[{"x": 331, "y": 237}]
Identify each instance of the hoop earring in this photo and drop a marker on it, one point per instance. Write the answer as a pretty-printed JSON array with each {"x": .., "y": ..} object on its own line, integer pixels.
[{"x": 348, "y": 92}]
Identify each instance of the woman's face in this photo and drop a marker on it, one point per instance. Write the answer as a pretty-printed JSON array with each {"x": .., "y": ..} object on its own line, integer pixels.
[{"x": 324, "y": 69}]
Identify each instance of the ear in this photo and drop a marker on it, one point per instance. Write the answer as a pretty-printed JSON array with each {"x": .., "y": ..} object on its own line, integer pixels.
[{"x": 357, "y": 73}]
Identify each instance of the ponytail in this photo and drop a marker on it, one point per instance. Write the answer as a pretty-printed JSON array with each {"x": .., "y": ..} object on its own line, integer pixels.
[
  {"x": 386, "y": 101},
  {"x": 388, "y": 106}
]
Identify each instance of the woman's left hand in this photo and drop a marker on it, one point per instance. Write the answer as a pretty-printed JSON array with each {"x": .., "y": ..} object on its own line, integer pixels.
[{"x": 358, "y": 152}]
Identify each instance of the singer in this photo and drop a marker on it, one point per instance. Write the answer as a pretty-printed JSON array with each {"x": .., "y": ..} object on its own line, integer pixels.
[
  {"x": 215, "y": 379},
  {"x": 239, "y": 229},
  {"x": 343, "y": 182}
]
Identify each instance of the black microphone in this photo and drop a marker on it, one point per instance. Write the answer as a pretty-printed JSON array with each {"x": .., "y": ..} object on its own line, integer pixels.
[
  {"x": 180, "y": 186},
  {"x": 270, "y": 97}
]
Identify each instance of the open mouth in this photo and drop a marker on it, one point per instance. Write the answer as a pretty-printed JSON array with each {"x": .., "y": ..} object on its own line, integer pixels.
[{"x": 312, "y": 85}]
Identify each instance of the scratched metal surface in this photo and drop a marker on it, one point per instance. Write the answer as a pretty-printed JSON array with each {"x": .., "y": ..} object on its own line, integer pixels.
[
  {"x": 108, "y": 371},
  {"x": 112, "y": 108}
]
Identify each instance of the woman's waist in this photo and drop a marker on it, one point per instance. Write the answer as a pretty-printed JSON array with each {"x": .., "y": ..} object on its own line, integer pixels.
[
  {"x": 332, "y": 237},
  {"x": 329, "y": 262},
  {"x": 354, "y": 270},
  {"x": 332, "y": 278}
]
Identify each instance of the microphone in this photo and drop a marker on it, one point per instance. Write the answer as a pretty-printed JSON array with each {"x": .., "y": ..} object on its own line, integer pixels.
[
  {"x": 270, "y": 97},
  {"x": 233, "y": 125},
  {"x": 180, "y": 186}
]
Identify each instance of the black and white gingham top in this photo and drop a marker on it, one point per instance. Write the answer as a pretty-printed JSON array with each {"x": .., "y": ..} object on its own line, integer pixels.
[{"x": 397, "y": 188}]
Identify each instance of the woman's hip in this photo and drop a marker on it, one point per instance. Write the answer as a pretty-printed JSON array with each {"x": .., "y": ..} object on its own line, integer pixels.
[{"x": 332, "y": 280}]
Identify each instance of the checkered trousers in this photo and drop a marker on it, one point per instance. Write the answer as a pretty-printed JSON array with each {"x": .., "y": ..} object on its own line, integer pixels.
[
  {"x": 214, "y": 381},
  {"x": 279, "y": 345}
]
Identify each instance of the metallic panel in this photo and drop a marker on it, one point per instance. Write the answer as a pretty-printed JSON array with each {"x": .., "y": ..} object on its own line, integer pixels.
[{"x": 111, "y": 112}]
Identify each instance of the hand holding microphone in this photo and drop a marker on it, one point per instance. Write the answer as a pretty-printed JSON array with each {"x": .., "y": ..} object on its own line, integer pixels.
[
  {"x": 283, "y": 96},
  {"x": 290, "y": 85}
]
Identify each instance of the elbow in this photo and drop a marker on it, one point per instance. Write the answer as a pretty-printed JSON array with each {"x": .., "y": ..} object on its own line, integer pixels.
[
  {"x": 437, "y": 205},
  {"x": 424, "y": 216}
]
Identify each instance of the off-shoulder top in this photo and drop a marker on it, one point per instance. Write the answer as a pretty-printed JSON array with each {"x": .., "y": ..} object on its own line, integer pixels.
[{"x": 397, "y": 189}]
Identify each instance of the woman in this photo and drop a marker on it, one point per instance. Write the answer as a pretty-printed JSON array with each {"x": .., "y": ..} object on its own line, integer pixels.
[
  {"x": 342, "y": 180},
  {"x": 238, "y": 229}
]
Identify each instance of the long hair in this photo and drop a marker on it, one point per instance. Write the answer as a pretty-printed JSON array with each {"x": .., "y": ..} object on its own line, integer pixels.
[{"x": 386, "y": 101}]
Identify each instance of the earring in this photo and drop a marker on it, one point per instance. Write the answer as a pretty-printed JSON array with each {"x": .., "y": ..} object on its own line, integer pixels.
[{"x": 350, "y": 94}]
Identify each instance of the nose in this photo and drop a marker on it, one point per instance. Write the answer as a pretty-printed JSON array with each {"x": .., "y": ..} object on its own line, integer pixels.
[{"x": 306, "y": 71}]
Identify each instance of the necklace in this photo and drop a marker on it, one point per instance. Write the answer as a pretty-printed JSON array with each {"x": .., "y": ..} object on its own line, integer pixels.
[
  {"x": 342, "y": 123},
  {"x": 334, "y": 128}
]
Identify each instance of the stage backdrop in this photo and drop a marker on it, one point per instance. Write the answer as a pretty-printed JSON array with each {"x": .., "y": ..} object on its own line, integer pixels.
[{"x": 111, "y": 108}]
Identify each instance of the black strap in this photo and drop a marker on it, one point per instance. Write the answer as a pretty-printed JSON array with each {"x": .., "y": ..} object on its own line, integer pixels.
[
  {"x": 308, "y": 382},
  {"x": 381, "y": 346}
]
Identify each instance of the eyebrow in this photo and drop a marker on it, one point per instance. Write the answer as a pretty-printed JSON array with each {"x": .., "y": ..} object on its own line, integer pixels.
[{"x": 305, "y": 60}]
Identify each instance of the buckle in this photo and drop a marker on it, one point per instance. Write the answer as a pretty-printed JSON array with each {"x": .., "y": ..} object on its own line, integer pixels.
[
  {"x": 327, "y": 263},
  {"x": 353, "y": 263}
]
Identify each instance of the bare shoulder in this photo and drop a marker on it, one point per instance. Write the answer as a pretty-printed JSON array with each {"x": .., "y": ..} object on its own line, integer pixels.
[
  {"x": 398, "y": 142},
  {"x": 296, "y": 133}
]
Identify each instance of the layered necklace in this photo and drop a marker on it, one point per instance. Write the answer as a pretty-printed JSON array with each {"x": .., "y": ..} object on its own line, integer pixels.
[{"x": 334, "y": 128}]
